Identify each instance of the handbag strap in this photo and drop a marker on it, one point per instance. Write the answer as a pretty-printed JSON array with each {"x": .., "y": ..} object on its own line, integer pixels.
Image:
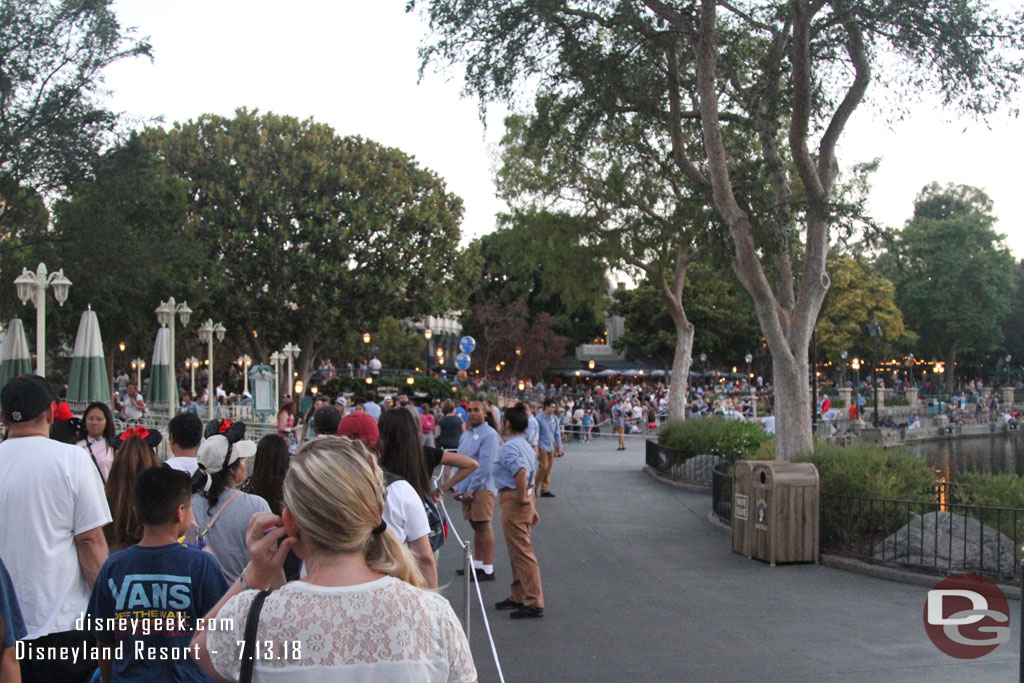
[
  {"x": 213, "y": 520},
  {"x": 252, "y": 622}
]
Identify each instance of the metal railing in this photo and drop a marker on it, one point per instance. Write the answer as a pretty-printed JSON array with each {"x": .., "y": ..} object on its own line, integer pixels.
[
  {"x": 673, "y": 464},
  {"x": 939, "y": 536},
  {"x": 721, "y": 492}
]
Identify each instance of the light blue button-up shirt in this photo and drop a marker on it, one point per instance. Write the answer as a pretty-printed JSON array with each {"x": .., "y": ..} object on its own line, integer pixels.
[
  {"x": 532, "y": 433},
  {"x": 514, "y": 455},
  {"x": 550, "y": 432},
  {"x": 482, "y": 444}
]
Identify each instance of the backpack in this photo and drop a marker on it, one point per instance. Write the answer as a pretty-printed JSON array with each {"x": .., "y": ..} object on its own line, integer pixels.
[
  {"x": 438, "y": 525},
  {"x": 428, "y": 423}
]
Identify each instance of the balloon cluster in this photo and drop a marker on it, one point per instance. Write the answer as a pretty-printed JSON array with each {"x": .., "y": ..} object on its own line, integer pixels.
[{"x": 462, "y": 361}]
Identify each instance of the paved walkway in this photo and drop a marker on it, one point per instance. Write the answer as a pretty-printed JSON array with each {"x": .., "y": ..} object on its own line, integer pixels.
[{"x": 640, "y": 587}]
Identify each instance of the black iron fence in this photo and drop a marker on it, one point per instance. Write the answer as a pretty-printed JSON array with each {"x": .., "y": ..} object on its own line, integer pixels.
[
  {"x": 721, "y": 492},
  {"x": 938, "y": 536},
  {"x": 675, "y": 464}
]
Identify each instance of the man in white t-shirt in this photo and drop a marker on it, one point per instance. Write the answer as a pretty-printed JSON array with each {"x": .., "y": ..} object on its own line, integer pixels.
[
  {"x": 184, "y": 432},
  {"x": 375, "y": 366},
  {"x": 54, "y": 509}
]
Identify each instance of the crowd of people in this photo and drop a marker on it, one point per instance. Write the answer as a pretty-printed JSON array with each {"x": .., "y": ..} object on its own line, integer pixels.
[{"x": 326, "y": 534}]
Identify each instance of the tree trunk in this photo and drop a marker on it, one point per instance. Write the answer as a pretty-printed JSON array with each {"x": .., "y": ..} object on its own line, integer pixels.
[
  {"x": 793, "y": 435},
  {"x": 680, "y": 371},
  {"x": 672, "y": 293}
]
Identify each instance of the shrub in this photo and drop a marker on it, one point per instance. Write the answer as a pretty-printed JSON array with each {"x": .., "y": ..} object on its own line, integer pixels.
[
  {"x": 867, "y": 471},
  {"x": 872, "y": 472},
  {"x": 993, "y": 490},
  {"x": 731, "y": 440}
]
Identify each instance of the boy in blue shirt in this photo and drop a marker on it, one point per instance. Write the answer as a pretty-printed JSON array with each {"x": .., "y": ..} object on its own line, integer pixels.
[{"x": 147, "y": 598}]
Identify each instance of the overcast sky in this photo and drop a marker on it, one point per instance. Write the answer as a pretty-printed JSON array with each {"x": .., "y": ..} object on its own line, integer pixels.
[{"x": 353, "y": 64}]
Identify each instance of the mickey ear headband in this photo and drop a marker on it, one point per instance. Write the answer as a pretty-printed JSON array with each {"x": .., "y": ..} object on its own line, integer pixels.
[{"x": 151, "y": 436}]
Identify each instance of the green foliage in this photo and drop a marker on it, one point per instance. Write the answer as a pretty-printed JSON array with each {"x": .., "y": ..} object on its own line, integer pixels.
[
  {"x": 721, "y": 311},
  {"x": 732, "y": 440},
  {"x": 52, "y": 58},
  {"x": 872, "y": 472},
  {"x": 131, "y": 248},
  {"x": 399, "y": 346},
  {"x": 313, "y": 234},
  {"x": 858, "y": 295},
  {"x": 954, "y": 275},
  {"x": 990, "y": 490},
  {"x": 540, "y": 258},
  {"x": 867, "y": 471},
  {"x": 505, "y": 333}
]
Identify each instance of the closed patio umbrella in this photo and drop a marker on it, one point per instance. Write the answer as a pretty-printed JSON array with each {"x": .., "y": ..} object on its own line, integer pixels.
[
  {"x": 14, "y": 356},
  {"x": 88, "y": 381}
]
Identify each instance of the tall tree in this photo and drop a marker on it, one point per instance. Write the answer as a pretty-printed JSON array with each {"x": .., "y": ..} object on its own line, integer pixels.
[
  {"x": 309, "y": 233},
  {"x": 539, "y": 257},
  {"x": 954, "y": 274},
  {"x": 615, "y": 178},
  {"x": 786, "y": 73},
  {"x": 859, "y": 295},
  {"x": 52, "y": 57},
  {"x": 717, "y": 305},
  {"x": 123, "y": 240}
]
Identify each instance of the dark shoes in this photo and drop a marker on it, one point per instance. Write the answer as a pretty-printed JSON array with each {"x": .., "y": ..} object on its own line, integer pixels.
[
  {"x": 546, "y": 494},
  {"x": 508, "y": 603},
  {"x": 528, "y": 612},
  {"x": 481, "y": 575}
]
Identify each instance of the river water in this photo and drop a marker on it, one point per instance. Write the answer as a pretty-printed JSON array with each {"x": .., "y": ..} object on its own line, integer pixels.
[{"x": 987, "y": 453}]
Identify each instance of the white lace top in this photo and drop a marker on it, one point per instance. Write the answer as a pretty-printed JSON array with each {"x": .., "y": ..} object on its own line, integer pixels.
[{"x": 381, "y": 632}]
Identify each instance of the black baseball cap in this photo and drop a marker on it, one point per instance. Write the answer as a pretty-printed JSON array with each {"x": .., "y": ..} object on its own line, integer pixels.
[{"x": 25, "y": 397}]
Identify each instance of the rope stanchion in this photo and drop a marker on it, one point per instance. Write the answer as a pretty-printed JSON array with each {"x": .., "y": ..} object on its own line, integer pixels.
[{"x": 471, "y": 572}]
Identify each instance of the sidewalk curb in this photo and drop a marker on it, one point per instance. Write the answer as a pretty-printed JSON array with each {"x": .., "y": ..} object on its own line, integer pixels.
[{"x": 900, "y": 575}]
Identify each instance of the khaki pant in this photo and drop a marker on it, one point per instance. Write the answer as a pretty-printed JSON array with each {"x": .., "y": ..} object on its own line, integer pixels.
[
  {"x": 545, "y": 459},
  {"x": 516, "y": 524}
]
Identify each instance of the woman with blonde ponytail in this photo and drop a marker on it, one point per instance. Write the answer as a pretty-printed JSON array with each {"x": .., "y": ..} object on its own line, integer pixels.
[{"x": 360, "y": 612}]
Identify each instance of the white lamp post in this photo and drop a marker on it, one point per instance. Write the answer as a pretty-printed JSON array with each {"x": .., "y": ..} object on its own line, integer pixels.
[
  {"x": 206, "y": 333},
  {"x": 192, "y": 363},
  {"x": 165, "y": 316},
  {"x": 138, "y": 365},
  {"x": 246, "y": 363},
  {"x": 275, "y": 358},
  {"x": 33, "y": 286},
  {"x": 290, "y": 352}
]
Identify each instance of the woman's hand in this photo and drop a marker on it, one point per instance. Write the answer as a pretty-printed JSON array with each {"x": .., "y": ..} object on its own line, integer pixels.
[{"x": 268, "y": 544}]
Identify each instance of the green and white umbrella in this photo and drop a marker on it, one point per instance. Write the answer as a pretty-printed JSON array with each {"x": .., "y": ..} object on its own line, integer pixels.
[
  {"x": 88, "y": 381},
  {"x": 14, "y": 356},
  {"x": 160, "y": 371}
]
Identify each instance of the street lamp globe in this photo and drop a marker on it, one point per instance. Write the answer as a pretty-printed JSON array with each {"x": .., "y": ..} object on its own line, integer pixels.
[
  {"x": 25, "y": 283},
  {"x": 427, "y": 334},
  {"x": 60, "y": 286},
  {"x": 748, "y": 358}
]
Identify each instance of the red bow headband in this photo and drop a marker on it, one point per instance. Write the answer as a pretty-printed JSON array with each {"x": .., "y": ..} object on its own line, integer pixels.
[
  {"x": 138, "y": 431},
  {"x": 225, "y": 425}
]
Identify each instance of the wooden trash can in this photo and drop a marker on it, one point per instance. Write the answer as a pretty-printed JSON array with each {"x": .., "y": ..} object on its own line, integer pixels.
[
  {"x": 783, "y": 525},
  {"x": 742, "y": 523}
]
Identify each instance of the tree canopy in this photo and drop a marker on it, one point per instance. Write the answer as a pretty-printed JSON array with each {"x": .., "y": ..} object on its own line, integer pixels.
[
  {"x": 540, "y": 258},
  {"x": 954, "y": 274},
  {"x": 310, "y": 233},
  {"x": 784, "y": 75},
  {"x": 52, "y": 57}
]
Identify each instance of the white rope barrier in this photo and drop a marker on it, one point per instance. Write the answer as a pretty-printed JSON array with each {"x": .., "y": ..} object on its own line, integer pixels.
[{"x": 471, "y": 571}]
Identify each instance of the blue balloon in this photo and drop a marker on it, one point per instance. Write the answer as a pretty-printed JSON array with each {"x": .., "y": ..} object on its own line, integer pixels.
[
  {"x": 462, "y": 361},
  {"x": 467, "y": 344}
]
